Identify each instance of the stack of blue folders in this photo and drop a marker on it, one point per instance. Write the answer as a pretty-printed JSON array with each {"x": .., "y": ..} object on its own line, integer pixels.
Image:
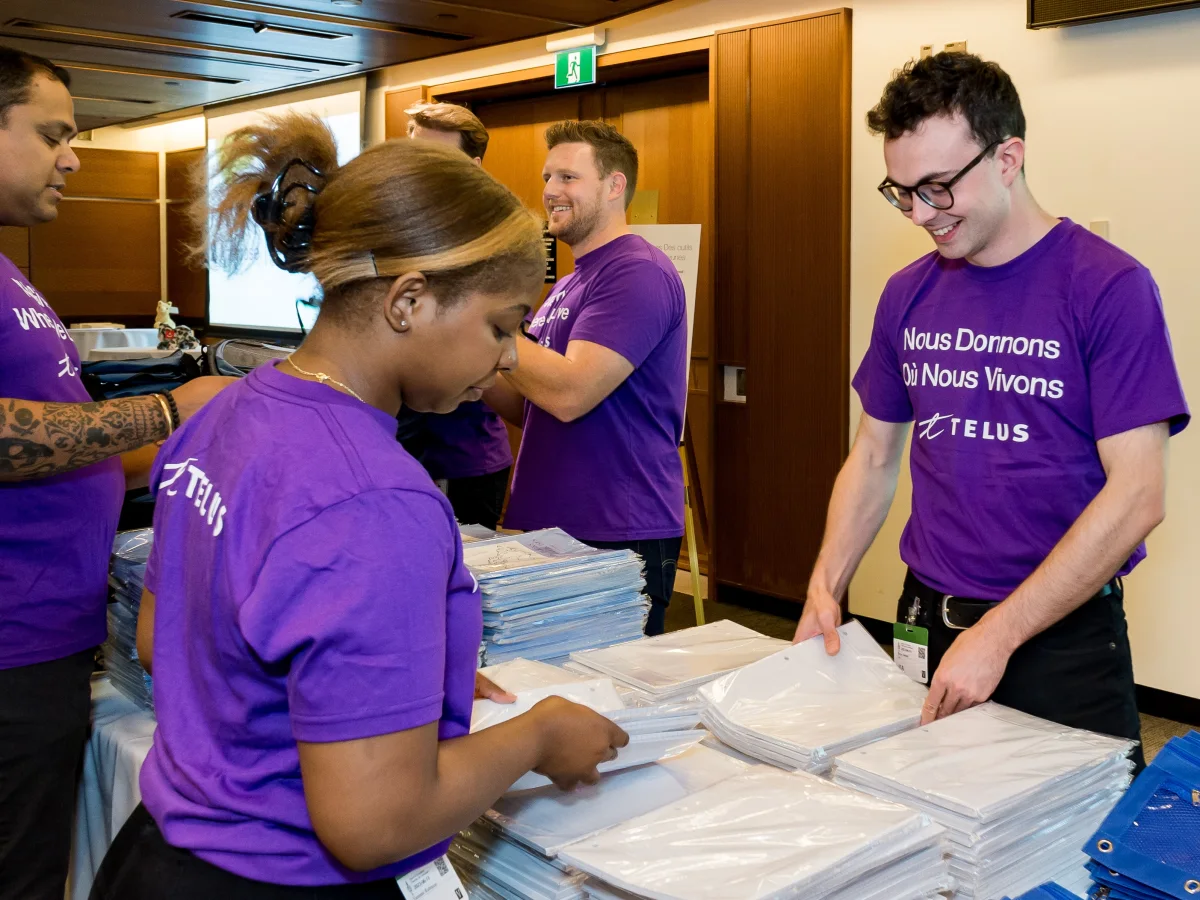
[
  {"x": 126, "y": 574},
  {"x": 1148, "y": 848},
  {"x": 545, "y": 595},
  {"x": 1050, "y": 891}
]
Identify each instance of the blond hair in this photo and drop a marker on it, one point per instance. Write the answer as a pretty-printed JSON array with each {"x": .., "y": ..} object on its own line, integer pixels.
[
  {"x": 449, "y": 117},
  {"x": 399, "y": 206}
]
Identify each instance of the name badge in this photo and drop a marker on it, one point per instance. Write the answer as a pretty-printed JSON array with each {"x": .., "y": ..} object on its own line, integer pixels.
[
  {"x": 910, "y": 650},
  {"x": 435, "y": 881}
]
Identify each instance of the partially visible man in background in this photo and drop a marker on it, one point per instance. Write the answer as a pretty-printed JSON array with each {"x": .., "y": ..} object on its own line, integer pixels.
[{"x": 467, "y": 449}]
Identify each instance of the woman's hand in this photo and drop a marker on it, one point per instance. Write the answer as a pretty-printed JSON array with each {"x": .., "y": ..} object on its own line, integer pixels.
[
  {"x": 575, "y": 740},
  {"x": 486, "y": 689}
]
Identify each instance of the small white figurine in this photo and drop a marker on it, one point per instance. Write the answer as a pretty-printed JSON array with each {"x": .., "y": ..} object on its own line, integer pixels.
[{"x": 170, "y": 335}]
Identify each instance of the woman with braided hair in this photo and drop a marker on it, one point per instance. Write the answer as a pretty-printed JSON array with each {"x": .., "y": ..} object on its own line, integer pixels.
[{"x": 312, "y": 628}]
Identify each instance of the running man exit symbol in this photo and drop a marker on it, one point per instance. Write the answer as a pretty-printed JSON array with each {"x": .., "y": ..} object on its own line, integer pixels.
[{"x": 575, "y": 67}]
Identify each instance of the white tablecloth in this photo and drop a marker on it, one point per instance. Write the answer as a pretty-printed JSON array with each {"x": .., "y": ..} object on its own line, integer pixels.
[{"x": 108, "y": 792}]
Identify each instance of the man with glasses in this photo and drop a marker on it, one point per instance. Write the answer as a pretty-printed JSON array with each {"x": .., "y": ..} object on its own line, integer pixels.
[{"x": 1034, "y": 358}]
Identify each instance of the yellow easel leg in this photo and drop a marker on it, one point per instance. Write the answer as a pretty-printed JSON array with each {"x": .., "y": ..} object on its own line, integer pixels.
[{"x": 689, "y": 527}]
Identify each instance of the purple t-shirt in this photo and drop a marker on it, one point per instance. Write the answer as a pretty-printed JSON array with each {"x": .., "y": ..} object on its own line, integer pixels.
[
  {"x": 1012, "y": 374},
  {"x": 468, "y": 442},
  {"x": 615, "y": 473},
  {"x": 309, "y": 587},
  {"x": 56, "y": 533}
]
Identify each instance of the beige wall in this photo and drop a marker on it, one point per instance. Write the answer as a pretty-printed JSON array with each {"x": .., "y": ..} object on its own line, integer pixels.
[{"x": 1113, "y": 134}]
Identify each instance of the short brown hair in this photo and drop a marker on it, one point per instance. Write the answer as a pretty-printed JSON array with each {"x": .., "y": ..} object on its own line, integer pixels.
[
  {"x": 472, "y": 135},
  {"x": 400, "y": 206},
  {"x": 613, "y": 151}
]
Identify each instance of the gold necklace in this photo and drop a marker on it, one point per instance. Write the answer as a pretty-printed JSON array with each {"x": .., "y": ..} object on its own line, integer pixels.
[{"x": 323, "y": 378}]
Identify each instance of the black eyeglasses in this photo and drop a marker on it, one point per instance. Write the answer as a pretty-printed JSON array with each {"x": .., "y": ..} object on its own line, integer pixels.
[{"x": 937, "y": 194}]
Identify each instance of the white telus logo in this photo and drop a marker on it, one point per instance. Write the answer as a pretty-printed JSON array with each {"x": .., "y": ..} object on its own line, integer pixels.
[
  {"x": 980, "y": 429},
  {"x": 929, "y": 424},
  {"x": 199, "y": 489}
]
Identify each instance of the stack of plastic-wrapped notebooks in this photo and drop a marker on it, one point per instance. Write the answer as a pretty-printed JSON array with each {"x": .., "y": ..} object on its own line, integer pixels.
[
  {"x": 698, "y": 824},
  {"x": 1018, "y": 795},
  {"x": 1148, "y": 847},
  {"x": 545, "y": 595},
  {"x": 655, "y": 732},
  {"x": 676, "y": 665},
  {"x": 127, "y": 571},
  {"x": 800, "y": 707}
]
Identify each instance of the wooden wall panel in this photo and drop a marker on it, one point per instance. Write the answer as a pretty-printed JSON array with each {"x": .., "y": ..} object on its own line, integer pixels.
[
  {"x": 179, "y": 168},
  {"x": 794, "y": 426},
  {"x": 99, "y": 259},
  {"x": 14, "y": 243},
  {"x": 395, "y": 119},
  {"x": 731, "y": 99},
  {"x": 187, "y": 284},
  {"x": 116, "y": 174},
  {"x": 670, "y": 122}
]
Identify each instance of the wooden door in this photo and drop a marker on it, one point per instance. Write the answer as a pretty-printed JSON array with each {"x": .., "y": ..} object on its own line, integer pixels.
[
  {"x": 782, "y": 136},
  {"x": 669, "y": 121}
]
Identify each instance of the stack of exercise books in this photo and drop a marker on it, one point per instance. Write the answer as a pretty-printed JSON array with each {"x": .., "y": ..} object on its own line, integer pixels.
[
  {"x": 127, "y": 572},
  {"x": 546, "y": 595},
  {"x": 1018, "y": 795}
]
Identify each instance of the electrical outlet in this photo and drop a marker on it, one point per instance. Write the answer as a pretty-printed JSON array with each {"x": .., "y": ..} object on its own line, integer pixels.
[
  {"x": 1100, "y": 227},
  {"x": 956, "y": 47},
  {"x": 926, "y": 50}
]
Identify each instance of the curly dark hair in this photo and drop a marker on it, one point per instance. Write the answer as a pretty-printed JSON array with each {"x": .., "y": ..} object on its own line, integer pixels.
[{"x": 945, "y": 84}]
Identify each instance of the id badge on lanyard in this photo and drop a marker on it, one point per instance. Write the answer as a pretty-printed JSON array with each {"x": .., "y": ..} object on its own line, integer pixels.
[
  {"x": 435, "y": 881},
  {"x": 910, "y": 645}
]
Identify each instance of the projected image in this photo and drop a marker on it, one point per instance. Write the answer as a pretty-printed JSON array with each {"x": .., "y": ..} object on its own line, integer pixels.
[{"x": 263, "y": 296}]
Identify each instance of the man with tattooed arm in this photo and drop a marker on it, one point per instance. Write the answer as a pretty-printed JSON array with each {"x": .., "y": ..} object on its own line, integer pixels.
[{"x": 61, "y": 487}]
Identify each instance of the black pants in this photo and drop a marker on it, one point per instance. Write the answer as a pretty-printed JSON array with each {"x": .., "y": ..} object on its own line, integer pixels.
[
  {"x": 660, "y": 555},
  {"x": 1078, "y": 672},
  {"x": 479, "y": 500},
  {"x": 141, "y": 865},
  {"x": 45, "y": 711}
]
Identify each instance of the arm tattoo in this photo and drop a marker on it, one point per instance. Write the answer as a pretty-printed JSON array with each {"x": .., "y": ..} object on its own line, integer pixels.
[{"x": 42, "y": 439}]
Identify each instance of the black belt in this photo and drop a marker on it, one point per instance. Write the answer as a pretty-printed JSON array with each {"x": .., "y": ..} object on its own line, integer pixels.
[{"x": 925, "y": 603}]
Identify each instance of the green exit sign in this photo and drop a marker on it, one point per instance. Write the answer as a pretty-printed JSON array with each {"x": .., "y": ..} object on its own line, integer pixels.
[{"x": 573, "y": 68}]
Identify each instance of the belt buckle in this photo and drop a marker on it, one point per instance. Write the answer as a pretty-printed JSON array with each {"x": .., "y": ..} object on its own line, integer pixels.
[{"x": 946, "y": 614}]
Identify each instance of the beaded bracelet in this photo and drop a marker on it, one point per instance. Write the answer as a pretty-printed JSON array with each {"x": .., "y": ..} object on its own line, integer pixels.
[{"x": 172, "y": 408}]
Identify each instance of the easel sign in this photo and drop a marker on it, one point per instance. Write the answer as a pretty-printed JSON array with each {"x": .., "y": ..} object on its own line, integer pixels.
[{"x": 681, "y": 244}]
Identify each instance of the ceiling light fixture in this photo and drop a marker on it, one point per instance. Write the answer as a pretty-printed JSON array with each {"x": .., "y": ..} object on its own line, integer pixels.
[{"x": 347, "y": 2}]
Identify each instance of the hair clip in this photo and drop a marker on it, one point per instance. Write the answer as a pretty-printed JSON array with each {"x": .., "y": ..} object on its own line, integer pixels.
[{"x": 288, "y": 245}]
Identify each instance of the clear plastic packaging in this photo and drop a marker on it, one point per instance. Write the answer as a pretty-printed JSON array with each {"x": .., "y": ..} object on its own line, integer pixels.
[
  {"x": 549, "y": 819},
  {"x": 1017, "y": 794},
  {"x": 127, "y": 573},
  {"x": 983, "y": 762},
  {"x": 762, "y": 834},
  {"x": 598, "y": 694},
  {"x": 801, "y": 706},
  {"x": 680, "y": 661}
]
